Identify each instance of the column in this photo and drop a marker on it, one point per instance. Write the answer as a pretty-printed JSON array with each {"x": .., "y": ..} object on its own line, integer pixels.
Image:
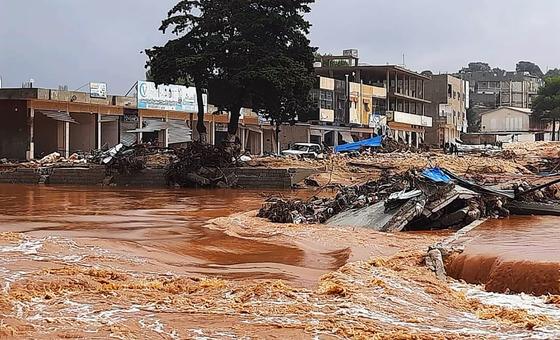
[
  {"x": 409, "y": 137},
  {"x": 99, "y": 131},
  {"x": 166, "y": 134},
  {"x": 66, "y": 139},
  {"x": 262, "y": 142},
  {"x": 213, "y": 131},
  {"x": 243, "y": 141},
  {"x": 335, "y": 138},
  {"x": 140, "y": 126},
  {"x": 31, "y": 151}
]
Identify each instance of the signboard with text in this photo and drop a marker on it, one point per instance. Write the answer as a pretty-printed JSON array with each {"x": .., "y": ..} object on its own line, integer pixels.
[
  {"x": 168, "y": 97},
  {"x": 98, "y": 90}
]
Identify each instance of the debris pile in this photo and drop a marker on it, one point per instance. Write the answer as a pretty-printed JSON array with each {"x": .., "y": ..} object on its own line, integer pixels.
[
  {"x": 430, "y": 199},
  {"x": 202, "y": 165},
  {"x": 389, "y": 145},
  {"x": 319, "y": 210}
]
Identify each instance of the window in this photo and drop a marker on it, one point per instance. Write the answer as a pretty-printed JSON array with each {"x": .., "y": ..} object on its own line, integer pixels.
[
  {"x": 454, "y": 94},
  {"x": 326, "y": 100},
  {"x": 449, "y": 90}
]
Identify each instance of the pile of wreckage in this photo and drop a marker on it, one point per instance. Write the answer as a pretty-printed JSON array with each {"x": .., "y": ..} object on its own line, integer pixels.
[
  {"x": 196, "y": 165},
  {"x": 203, "y": 165},
  {"x": 415, "y": 200}
]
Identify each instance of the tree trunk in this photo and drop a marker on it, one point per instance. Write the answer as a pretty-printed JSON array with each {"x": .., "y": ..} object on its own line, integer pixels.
[
  {"x": 233, "y": 125},
  {"x": 277, "y": 132},
  {"x": 200, "y": 127}
]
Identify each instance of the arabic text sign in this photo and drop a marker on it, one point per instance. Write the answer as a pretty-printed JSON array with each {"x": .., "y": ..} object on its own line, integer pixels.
[{"x": 167, "y": 97}]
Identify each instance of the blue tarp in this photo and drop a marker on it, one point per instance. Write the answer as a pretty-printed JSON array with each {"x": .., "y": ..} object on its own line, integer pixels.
[
  {"x": 367, "y": 143},
  {"x": 436, "y": 175}
]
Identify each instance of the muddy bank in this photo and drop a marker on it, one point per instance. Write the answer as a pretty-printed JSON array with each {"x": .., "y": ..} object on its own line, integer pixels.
[{"x": 517, "y": 255}]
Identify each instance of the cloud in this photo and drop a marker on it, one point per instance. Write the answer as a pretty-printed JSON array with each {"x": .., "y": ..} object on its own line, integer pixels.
[{"x": 67, "y": 42}]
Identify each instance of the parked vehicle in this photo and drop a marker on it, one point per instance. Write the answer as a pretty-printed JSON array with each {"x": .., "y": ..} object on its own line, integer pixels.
[{"x": 304, "y": 150}]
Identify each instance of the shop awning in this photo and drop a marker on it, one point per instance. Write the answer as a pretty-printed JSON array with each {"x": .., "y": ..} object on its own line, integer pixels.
[
  {"x": 60, "y": 116},
  {"x": 347, "y": 137},
  {"x": 151, "y": 125}
]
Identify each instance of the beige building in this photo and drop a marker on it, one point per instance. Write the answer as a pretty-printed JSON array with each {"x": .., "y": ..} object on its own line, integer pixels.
[
  {"x": 506, "y": 119},
  {"x": 510, "y": 124},
  {"x": 449, "y": 98}
]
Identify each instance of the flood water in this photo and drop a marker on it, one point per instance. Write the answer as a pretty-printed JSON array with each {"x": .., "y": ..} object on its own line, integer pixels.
[
  {"x": 163, "y": 225},
  {"x": 517, "y": 254}
]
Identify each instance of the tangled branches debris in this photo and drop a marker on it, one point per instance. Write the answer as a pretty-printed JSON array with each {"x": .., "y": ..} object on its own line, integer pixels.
[{"x": 203, "y": 165}]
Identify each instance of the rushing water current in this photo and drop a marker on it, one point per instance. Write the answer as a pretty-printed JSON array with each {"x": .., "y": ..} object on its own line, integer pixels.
[
  {"x": 518, "y": 254},
  {"x": 163, "y": 225}
]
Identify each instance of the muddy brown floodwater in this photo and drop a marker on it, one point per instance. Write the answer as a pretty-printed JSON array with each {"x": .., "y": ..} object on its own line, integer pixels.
[
  {"x": 164, "y": 226},
  {"x": 104, "y": 263},
  {"x": 518, "y": 254}
]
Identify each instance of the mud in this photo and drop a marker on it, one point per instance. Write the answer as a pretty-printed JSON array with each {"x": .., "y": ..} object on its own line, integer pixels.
[
  {"x": 517, "y": 255},
  {"x": 136, "y": 264}
]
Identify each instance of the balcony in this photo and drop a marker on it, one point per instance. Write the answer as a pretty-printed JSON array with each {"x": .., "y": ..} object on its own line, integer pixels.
[{"x": 409, "y": 118}]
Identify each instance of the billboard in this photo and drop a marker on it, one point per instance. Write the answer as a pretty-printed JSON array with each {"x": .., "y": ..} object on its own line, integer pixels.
[
  {"x": 98, "y": 90},
  {"x": 168, "y": 97}
]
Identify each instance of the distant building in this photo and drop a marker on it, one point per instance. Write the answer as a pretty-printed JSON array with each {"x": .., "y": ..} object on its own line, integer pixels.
[
  {"x": 510, "y": 124},
  {"x": 493, "y": 89},
  {"x": 449, "y": 98}
]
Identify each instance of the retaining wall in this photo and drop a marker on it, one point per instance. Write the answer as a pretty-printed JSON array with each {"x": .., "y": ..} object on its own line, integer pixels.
[{"x": 253, "y": 178}]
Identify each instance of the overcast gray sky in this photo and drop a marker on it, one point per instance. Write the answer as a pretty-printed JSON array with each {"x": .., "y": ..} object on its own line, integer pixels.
[{"x": 73, "y": 42}]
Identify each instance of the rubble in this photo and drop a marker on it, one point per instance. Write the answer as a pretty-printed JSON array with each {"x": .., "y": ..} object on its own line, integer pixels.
[
  {"x": 203, "y": 165},
  {"x": 430, "y": 199}
]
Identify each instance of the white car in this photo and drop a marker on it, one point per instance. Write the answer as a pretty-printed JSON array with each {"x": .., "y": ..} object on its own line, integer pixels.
[{"x": 304, "y": 150}]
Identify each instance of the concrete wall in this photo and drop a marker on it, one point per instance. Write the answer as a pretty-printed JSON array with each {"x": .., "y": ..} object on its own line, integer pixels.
[
  {"x": 77, "y": 176},
  {"x": 83, "y": 135},
  {"x": 14, "y": 130},
  {"x": 257, "y": 178},
  {"x": 20, "y": 176}
]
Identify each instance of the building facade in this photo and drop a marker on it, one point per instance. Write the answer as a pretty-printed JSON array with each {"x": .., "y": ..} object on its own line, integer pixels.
[
  {"x": 449, "y": 97},
  {"x": 401, "y": 114},
  {"x": 345, "y": 111},
  {"x": 493, "y": 89},
  {"x": 510, "y": 124}
]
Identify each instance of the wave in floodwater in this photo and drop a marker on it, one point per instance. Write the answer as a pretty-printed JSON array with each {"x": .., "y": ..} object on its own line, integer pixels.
[
  {"x": 165, "y": 226},
  {"x": 517, "y": 255}
]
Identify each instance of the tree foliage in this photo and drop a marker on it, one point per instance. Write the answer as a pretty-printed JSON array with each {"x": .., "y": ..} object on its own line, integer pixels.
[
  {"x": 477, "y": 67},
  {"x": 552, "y": 73},
  {"x": 245, "y": 52},
  {"x": 546, "y": 105},
  {"x": 530, "y": 67}
]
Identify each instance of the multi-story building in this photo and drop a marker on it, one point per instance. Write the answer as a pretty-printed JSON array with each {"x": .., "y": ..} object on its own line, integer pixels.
[
  {"x": 344, "y": 110},
  {"x": 401, "y": 114},
  {"x": 493, "y": 89},
  {"x": 449, "y": 98}
]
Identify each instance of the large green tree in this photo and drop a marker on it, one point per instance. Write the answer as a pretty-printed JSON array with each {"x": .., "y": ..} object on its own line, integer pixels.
[
  {"x": 546, "y": 105},
  {"x": 240, "y": 49}
]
